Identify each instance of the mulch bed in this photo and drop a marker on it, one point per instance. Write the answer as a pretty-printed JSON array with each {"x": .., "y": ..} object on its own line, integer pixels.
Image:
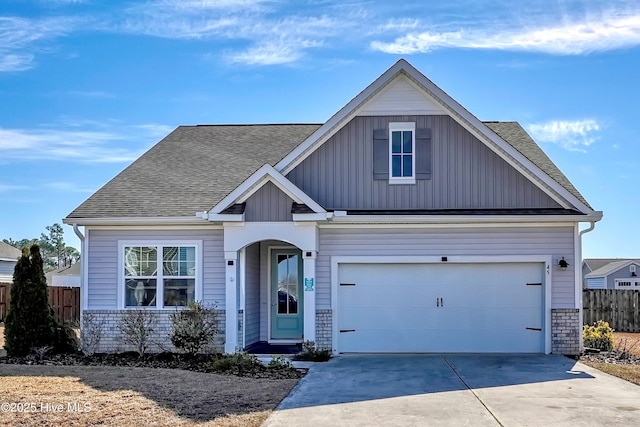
[{"x": 199, "y": 363}]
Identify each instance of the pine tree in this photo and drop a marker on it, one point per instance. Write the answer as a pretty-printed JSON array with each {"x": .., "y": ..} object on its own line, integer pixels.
[{"x": 30, "y": 322}]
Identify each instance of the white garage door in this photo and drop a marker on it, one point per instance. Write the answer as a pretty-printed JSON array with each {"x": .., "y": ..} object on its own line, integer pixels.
[{"x": 441, "y": 308}]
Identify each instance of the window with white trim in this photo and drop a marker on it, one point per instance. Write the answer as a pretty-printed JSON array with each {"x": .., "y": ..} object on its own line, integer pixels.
[
  {"x": 632, "y": 283},
  {"x": 402, "y": 148},
  {"x": 159, "y": 275}
]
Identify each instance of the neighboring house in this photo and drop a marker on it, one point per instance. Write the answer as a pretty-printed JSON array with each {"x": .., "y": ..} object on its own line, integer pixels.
[
  {"x": 611, "y": 274},
  {"x": 67, "y": 276},
  {"x": 402, "y": 224},
  {"x": 8, "y": 259}
]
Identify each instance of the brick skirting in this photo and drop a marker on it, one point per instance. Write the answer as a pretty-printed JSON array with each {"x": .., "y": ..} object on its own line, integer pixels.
[
  {"x": 565, "y": 331},
  {"x": 112, "y": 341}
]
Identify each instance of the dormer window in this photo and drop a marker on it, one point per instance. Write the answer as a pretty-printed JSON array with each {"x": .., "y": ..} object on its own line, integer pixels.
[{"x": 402, "y": 153}]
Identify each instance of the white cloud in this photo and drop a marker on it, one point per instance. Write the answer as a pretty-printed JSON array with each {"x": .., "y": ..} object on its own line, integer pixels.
[
  {"x": 21, "y": 37},
  {"x": 591, "y": 34},
  {"x": 575, "y": 135},
  {"x": 67, "y": 187},
  {"x": 273, "y": 53},
  {"x": 267, "y": 31},
  {"x": 91, "y": 94},
  {"x": 107, "y": 144},
  {"x": 11, "y": 187}
]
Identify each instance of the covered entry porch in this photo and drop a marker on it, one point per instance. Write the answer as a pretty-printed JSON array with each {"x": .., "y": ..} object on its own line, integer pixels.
[{"x": 270, "y": 286}]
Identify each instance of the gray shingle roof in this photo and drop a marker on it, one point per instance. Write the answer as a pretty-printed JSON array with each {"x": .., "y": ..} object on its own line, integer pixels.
[
  {"x": 519, "y": 139},
  {"x": 610, "y": 268},
  {"x": 192, "y": 169},
  {"x": 8, "y": 251},
  {"x": 597, "y": 263},
  {"x": 195, "y": 167}
]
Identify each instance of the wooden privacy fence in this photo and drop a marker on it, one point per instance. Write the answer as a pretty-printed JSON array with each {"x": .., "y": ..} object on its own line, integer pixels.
[
  {"x": 65, "y": 302},
  {"x": 621, "y": 308}
]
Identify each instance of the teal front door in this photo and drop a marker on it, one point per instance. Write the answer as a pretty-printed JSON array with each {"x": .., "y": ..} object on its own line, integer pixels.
[{"x": 286, "y": 294}]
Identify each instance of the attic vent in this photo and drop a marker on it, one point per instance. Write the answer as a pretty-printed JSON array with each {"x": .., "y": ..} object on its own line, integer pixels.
[{"x": 632, "y": 269}]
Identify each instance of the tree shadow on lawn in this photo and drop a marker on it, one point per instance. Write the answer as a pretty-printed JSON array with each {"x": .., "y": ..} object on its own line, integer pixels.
[{"x": 196, "y": 396}]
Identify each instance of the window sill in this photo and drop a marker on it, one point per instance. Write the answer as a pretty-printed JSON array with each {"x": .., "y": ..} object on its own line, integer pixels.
[{"x": 396, "y": 181}]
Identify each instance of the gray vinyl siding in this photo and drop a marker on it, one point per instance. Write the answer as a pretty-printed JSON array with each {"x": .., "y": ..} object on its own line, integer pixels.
[
  {"x": 268, "y": 204},
  {"x": 103, "y": 271},
  {"x": 465, "y": 173},
  {"x": 621, "y": 273},
  {"x": 596, "y": 283},
  {"x": 551, "y": 241},
  {"x": 252, "y": 294},
  {"x": 6, "y": 268}
]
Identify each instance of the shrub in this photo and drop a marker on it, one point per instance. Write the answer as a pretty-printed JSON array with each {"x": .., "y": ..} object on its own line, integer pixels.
[
  {"x": 29, "y": 323},
  {"x": 137, "y": 327},
  {"x": 193, "y": 329},
  {"x": 599, "y": 335},
  {"x": 65, "y": 339},
  {"x": 311, "y": 353},
  {"x": 91, "y": 334},
  {"x": 238, "y": 363},
  {"x": 279, "y": 362}
]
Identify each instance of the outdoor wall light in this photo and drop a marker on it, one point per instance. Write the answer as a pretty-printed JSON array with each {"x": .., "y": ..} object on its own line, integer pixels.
[{"x": 563, "y": 264}]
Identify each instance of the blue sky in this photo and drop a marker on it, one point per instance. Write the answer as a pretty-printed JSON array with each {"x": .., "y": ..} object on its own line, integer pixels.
[{"x": 86, "y": 86}]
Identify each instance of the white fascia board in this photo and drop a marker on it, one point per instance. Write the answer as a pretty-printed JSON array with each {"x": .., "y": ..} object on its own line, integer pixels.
[
  {"x": 165, "y": 220},
  {"x": 460, "y": 114},
  {"x": 464, "y": 219},
  {"x": 216, "y": 217},
  {"x": 6, "y": 279},
  {"x": 303, "y": 217},
  {"x": 257, "y": 180},
  {"x": 16, "y": 258}
]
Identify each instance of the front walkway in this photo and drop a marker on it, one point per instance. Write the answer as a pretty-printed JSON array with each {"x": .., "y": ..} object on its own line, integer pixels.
[{"x": 458, "y": 390}]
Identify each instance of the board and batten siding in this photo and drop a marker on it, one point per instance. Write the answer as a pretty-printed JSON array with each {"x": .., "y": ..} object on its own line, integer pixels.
[
  {"x": 268, "y": 204},
  {"x": 252, "y": 294},
  {"x": 553, "y": 241},
  {"x": 103, "y": 271},
  {"x": 464, "y": 173}
]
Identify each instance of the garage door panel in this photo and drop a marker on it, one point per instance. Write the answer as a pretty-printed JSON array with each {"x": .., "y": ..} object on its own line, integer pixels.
[{"x": 440, "y": 308}]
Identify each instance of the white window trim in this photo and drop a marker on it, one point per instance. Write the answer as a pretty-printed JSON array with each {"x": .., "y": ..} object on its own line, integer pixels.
[
  {"x": 402, "y": 126},
  {"x": 160, "y": 291},
  {"x": 635, "y": 283}
]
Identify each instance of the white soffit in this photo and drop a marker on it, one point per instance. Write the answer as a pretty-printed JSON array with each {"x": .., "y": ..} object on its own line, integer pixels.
[{"x": 401, "y": 97}]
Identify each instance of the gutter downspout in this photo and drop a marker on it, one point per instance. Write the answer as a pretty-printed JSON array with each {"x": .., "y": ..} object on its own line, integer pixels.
[
  {"x": 581, "y": 316},
  {"x": 83, "y": 272}
]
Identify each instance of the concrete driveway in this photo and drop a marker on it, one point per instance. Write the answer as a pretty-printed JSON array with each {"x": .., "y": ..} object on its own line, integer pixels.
[{"x": 457, "y": 390}]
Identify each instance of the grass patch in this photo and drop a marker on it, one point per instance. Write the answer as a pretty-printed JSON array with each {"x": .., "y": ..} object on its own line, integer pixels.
[
  {"x": 628, "y": 338},
  {"x": 137, "y": 396},
  {"x": 627, "y": 367},
  {"x": 630, "y": 373}
]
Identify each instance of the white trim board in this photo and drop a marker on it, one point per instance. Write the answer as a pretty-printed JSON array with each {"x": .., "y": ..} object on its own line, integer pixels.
[
  {"x": 461, "y": 259},
  {"x": 253, "y": 183}
]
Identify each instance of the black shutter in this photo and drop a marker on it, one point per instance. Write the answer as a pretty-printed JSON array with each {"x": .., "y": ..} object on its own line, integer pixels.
[
  {"x": 423, "y": 153},
  {"x": 380, "y": 154}
]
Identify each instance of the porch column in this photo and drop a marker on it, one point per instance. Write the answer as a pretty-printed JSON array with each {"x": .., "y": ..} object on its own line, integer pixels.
[
  {"x": 309, "y": 286},
  {"x": 231, "y": 302}
]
